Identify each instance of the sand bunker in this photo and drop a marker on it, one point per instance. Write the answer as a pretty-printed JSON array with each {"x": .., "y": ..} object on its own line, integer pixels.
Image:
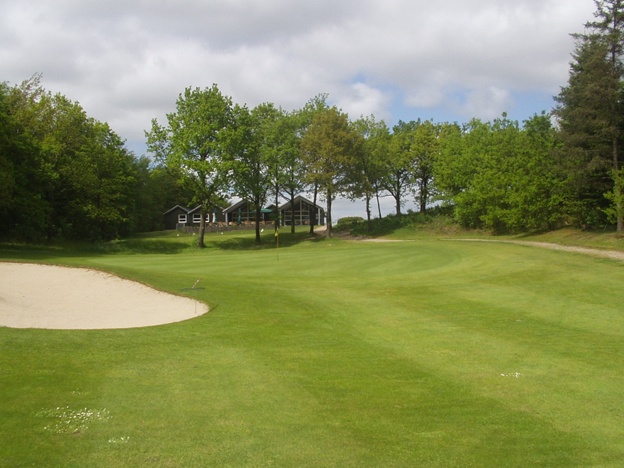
[{"x": 53, "y": 297}]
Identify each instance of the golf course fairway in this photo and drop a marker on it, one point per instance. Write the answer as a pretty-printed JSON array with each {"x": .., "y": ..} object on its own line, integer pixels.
[{"x": 329, "y": 353}]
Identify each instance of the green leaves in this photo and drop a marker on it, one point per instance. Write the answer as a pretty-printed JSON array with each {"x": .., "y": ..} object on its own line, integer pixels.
[
  {"x": 195, "y": 143},
  {"x": 328, "y": 148},
  {"x": 68, "y": 175},
  {"x": 591, "y": 116},
  {"x": 500, "y": 176}
]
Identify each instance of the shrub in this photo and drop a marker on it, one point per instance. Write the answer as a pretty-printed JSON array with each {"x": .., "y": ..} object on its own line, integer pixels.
[{"x": 350, "y": 220}]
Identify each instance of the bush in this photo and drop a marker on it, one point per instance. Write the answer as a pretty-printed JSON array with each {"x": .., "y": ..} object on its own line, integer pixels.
[
  {"x": 436, "y": 218},
  {"x": 350, "y": 220}
]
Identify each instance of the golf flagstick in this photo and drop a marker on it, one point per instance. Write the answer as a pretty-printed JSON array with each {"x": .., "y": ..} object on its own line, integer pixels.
[{"x": 277, "y": 241}]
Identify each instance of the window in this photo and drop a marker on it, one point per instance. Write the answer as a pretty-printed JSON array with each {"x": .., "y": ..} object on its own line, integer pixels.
[
  {"x": 196, "y": 218},
  {"x": 182, "y": 219}
]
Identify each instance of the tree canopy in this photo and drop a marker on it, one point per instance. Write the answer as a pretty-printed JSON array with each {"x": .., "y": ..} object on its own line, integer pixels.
[{"x": 64, "y": 174}]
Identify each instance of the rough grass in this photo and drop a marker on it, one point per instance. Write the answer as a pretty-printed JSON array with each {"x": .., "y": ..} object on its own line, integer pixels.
[{"x": 330, "y": 353}]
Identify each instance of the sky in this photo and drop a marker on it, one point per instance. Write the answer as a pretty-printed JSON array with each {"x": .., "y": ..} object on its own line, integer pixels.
[{"x": 127, "y": 61}]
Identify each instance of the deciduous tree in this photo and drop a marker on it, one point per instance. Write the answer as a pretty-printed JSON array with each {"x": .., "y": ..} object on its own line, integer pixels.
[
  {"x": 251, "y": 155},
  {"x": 194, "y": 144},
  {"x": 400, "y": 163},
  {"x": 329, "y": 146},
  {"x": 367, "y": 172},
  {"x": 501, "y": 176}
]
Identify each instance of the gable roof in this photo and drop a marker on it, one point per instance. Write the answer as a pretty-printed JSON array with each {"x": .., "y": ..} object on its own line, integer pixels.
[
  {"x": 183, "y": 208},
  {"x": 298, "y": 199},
  {"x": 235, "y": 206}
]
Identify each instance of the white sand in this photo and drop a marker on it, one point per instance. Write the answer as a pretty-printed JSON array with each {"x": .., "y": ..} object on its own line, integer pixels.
[{"x": 53, "y": 297}]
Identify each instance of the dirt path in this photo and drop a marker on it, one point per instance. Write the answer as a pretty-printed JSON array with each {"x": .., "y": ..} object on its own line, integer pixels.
[{"x": 612, "y": 254}]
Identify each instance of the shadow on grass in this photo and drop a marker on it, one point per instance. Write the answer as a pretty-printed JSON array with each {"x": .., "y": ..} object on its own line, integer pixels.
[
  {"x": 146, "y": 246},
  {"x": 163, "y": 243},
  {"x": 24, "y": 252},
  {"x": 248, "y": 241},
  {"x": 14, "y": 251}
]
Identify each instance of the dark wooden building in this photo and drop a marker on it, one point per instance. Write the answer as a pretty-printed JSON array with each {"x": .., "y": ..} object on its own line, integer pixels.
[
  {"x": 244, "y": 213},
  {"x": 302, "y": 212},
  {"x": 176, "y": 217},
  {"x": 180, "y": 217}
]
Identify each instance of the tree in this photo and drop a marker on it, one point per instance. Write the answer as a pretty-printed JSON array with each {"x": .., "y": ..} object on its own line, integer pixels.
[
  {"x": 329, "y": 146},
  {"x": 487, "y": 152},
  {"x": 305, "y": 117},
  {"x": 35, "y": 165},
  {"x": 251, "y": 156},
  {"x": 289, "y": 170},
  {"x": 589, "y": 113},
  {"x": 158, "y": 189},
  {"x": 366, "y": 173},
  {"x": 194, "y": 145},
  {"x": 538, "y": 198},
  {"x": 400, "y": 163},
  {"x": 500, "y": 176},
  {"x": 452, "y": 169},
  {"x": 425, "y": 147},
  {"x": 71, "y": 176},
  {"x": 19, "y": 168},
  {"x": 103, "y": 195}
]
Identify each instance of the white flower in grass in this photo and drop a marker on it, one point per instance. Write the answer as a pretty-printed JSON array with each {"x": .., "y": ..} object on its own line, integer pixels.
[{"x": 70, "y": 421}]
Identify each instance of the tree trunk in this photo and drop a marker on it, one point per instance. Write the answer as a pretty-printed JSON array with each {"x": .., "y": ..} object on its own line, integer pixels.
[
  {"x": 328, "y": 221},
  {"x": 291, "y": 199},
  {"x": 368, "y": 211},
  {"x": 423, "y": 195},
  {"x": 397, "y": 195},
  {"x": 277, "y": 215},
  {"x": 617, "y": 190},
  {"x": 258, "y": 214},
  {"x": 292, "y": 212},
  {"x": 313, "y": 216},
  {"x": 202, "y": 227}
]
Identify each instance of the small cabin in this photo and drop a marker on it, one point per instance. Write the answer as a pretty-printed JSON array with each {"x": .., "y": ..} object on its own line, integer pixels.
[
  {"x": 180, "y": 217},
  {"x": 176, "y": 217},
  {"x": 214, "y": 216}
]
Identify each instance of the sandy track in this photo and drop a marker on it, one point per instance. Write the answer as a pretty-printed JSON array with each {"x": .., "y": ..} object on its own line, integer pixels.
[
  {"x": 612, "y": 254},
  {"x": 53, "y": 297}
]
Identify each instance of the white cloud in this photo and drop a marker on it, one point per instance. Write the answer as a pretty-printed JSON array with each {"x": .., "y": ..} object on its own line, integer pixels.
[
  {"x": 127, "y": 61},
  {"x": 360, "y": 99},
  {"x": 484, "y": 103}
]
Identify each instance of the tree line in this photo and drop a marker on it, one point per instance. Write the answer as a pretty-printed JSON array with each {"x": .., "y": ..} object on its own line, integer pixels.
[{"x": 66, "y": 175}]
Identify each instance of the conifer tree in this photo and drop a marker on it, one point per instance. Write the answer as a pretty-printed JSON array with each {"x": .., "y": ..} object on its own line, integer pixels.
[{"x": 590, "y": 116}]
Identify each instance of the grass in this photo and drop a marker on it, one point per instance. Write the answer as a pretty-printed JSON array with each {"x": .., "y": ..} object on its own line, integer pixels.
[{"x": 329, "y": 353}]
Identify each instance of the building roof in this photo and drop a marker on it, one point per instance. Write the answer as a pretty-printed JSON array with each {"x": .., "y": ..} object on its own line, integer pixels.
[
  {"x": 198, "y": 207},
  {"x": 298, "y": 199},
  {"x": 235, "y": 206},
  {"x": 183, "y": 208},
  {"x": 242, "y": 203}
]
